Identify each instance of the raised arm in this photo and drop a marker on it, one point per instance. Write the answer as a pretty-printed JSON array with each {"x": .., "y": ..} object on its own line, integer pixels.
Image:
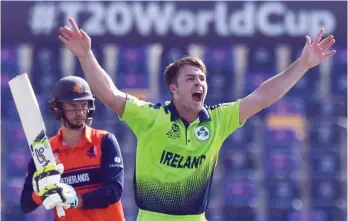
[
  {"x": 79, "y": 43},
  {"x": 276, "y": 87}
]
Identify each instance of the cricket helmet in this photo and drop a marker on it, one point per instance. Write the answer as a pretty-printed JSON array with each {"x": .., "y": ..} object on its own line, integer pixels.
[{"x": 71, "y": 88}]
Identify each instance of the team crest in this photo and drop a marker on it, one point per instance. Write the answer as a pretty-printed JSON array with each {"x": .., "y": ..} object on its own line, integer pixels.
[
  {"x": 92, "y": 152},
  {"x": 78, "y": 88},
  {"x": 202, "y": 133}
]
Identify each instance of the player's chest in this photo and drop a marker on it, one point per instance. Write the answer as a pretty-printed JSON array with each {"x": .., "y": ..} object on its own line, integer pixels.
[
  {"x": 174, "y": 145},
  {"x": 74, "y": 158},
  {"x": 188, "y": 136}
]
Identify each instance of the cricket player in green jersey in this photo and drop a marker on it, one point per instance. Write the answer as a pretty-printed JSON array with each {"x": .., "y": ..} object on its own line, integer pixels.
[{"x": 179, "y": 141}]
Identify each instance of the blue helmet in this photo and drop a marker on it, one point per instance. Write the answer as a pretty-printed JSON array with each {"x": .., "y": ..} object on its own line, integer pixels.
[{"x": 71, "y": 88}]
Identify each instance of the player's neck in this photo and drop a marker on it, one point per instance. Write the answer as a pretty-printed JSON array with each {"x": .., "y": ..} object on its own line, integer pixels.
[
  {"x": 184, "y": 113},
  {"x": 71, "y": 137}
]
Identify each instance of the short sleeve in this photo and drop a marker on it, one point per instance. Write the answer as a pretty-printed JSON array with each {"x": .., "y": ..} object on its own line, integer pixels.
[
  {"x": 139, "y": 115},
  {"x": 228, "y": 116}
]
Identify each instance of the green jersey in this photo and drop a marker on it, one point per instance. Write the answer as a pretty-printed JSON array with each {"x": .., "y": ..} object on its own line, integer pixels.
[{"x": 175, "y": 161}]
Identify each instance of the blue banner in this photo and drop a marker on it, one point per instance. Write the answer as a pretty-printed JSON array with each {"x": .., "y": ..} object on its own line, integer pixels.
[{"x": 166, "y": 22}]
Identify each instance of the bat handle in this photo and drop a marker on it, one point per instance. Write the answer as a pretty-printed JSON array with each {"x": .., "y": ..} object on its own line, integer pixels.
[{"x": 60, "y": 211}]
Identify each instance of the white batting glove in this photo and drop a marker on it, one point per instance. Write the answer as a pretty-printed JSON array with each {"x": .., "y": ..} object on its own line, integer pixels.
[
  {"x": 46, "y": 177},
  {"x": 61, "y": 194}
]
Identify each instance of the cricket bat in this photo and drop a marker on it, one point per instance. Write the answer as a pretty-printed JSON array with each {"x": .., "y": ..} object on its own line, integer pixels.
[{"x": 33, "y": 124}]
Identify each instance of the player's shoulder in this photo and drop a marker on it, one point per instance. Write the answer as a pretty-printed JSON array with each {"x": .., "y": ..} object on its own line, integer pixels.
[
  {"x": 54, "y": 141},
  {"x": 218, "y": 106},
  {"x": 156, "y": 106},
  {"x": 161, "y": 107},
  {"x": 96, "y": 134},
  {"x": 148, "y": 105},
  {"x": 166, "y": 106}
]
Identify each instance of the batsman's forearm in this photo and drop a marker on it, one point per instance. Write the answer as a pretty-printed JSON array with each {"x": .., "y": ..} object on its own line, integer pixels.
[
  {"x": 29, "y": 201},
  {"x": 98, "y": 79},
  {"x": 276, "y": 87}
]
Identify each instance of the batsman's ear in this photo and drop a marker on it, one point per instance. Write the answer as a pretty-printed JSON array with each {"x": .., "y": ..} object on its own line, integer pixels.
[{"x": 55, "y": 109}]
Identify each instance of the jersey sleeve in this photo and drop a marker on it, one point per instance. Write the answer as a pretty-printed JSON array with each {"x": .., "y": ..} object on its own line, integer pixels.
[
  {"x": 113, "y": 176},
  {"x": 229, "y": 118},
  {"x": 139, "y": 115}
]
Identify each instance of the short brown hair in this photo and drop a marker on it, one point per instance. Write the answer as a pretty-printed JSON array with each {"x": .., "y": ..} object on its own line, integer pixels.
[{"x": 172, "y": 70}]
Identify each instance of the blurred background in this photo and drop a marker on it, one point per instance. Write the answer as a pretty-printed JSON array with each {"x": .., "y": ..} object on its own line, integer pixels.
[{"x": 287, "y": 163}]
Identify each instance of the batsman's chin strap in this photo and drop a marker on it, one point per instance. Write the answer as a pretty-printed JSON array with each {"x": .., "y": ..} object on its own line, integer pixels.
[{"x": 89, "y": 121}]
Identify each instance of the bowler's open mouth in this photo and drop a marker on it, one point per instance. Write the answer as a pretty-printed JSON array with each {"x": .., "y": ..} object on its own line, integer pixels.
[{"x": 197, "y": 96}]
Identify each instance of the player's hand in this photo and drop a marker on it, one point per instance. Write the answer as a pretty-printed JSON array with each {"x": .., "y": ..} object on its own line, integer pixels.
[
  {"x": 62, "y": 195},
  {"x": 317, "y": 51},
  {"x": 78, "y": 42},
  {"x": 45, "y": 177}
]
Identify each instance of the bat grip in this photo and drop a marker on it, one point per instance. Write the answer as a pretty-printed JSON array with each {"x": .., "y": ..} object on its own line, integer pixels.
[{"x": 60, "y": 211}]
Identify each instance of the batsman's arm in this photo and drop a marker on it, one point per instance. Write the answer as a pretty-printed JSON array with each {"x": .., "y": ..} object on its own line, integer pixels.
[
  {"x": 29, "y": 200},
  {"x": 113, "y": 177}
]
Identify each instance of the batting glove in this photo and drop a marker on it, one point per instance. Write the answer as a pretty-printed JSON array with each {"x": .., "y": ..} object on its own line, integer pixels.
[
  {"x": 61, "y": 194},
  {"x": 46, "y": 177}
]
